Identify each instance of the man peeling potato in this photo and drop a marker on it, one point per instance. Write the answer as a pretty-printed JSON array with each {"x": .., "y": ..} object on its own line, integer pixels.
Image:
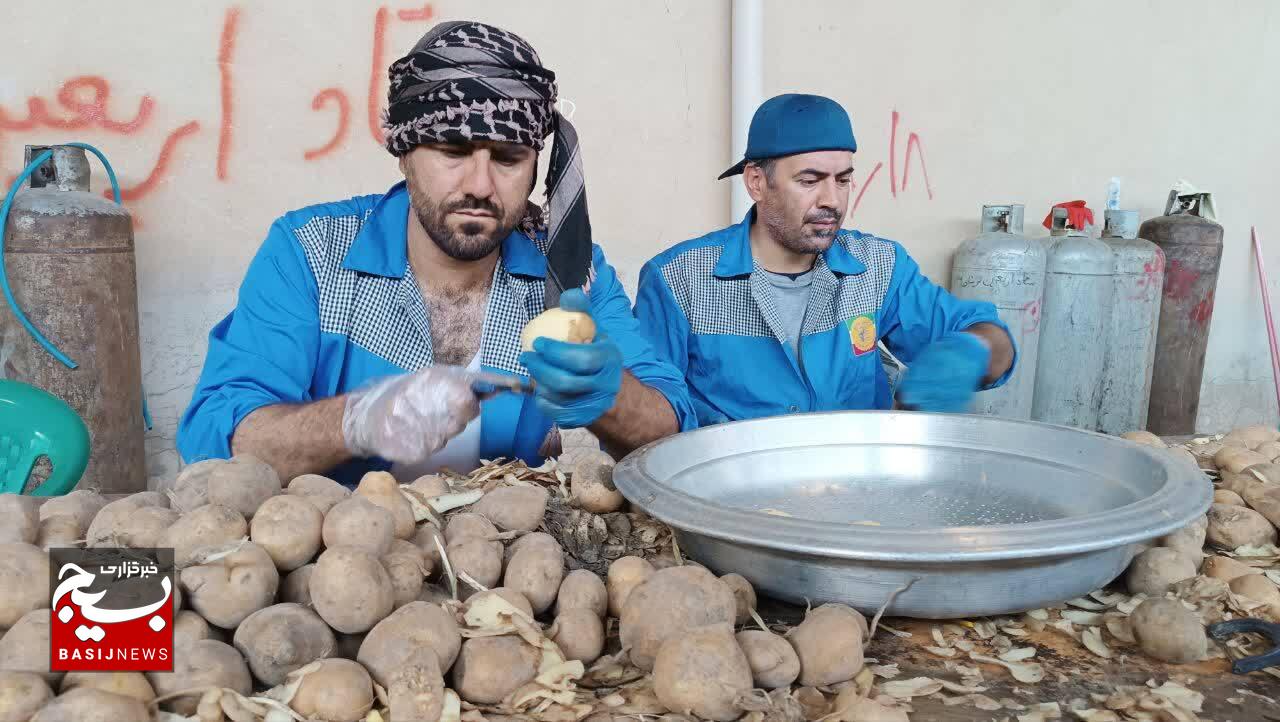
[
  {"x": 368, "y": 332},
  {"x": 783, "y": 312}
]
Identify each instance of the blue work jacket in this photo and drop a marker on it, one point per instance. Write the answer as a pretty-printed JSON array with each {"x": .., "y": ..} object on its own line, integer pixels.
[
  {"x": 708, "y": 309},
  {"x": 330, "y": 303}
]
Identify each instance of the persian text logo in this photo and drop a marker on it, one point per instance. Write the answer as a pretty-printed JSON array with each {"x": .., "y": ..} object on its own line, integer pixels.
[{"x": 112, "y": 610}]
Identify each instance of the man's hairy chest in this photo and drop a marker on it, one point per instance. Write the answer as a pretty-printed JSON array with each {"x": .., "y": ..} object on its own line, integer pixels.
[{"x": 457, "y": 322}]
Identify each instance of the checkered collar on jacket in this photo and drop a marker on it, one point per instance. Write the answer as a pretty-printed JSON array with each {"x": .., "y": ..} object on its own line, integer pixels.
[{"x": 375, "y": 272}]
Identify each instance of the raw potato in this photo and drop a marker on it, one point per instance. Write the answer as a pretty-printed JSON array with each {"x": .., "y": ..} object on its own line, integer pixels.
[
  {"x": 25, "y": 647},
  {"x": 59, "y": 531},
  {"x": 1152, "y": 572},
  {"x": 1270, "y": 473},
  {"x": 141, "y": 528},
  {"x": 436, "y": 594},
  {"x": 1251, "y": 437},
  {"x": 625, "y": 574},
  {"x": 480, "y": 559},
  {"x": 321, "y": 491},
  {"x": 582, "y": 589},
  {"x": 772, "y": 659},
  {"x": 21, "y": 694},
  {"x": 702, "y": 672},
  {"x": 1238, "y": 483},
  {"x": 127, "y": 684},
  {"x": 743, "y": 594},
  {"x": 288, "y": 528},
  {"x": 206, "y": 663},
  {"x": 281, "y": 638},
  {"x": 669, "y": 604},
  {"x": 189, "y": 627},
  {"x": 1234, "y": 458},
  {"x": 536, "y": 572},
  {"x": 243, "y": 483},
  {"x": 1189, "y": 540},
  {"x": 92, "y": 705},
  {"x": 416, "y": 691},
  {"x": 350, "y": 589},
  {"x": 191, "y": 489},
  {"x": 23, "y": 571},
  {"x": 541, "y": 539},
  {"x": 1260, "y": 589},
  {"x": 424, "y": 538},
  {"x": 1179, "y": 452},
  {"x": 83, "y": 504},
  {"x": 514, "y": 598},
  {"x": 208, "y": 526},
  {"x": 19, "y": 520},
  {"x": 381, "y": 488},
  {"x": 1270, "y": 449},
  {"x": 469, "y": 524},
  {"x": 339, "y": 690},
  {"x": 358, "y": 522},
  {"x": 394, "y": 639},
  {"x": 149, "y": 498},
  {"x": 560, "y": 325},
  {"x": 430, "y": 485},
  {"x": 1226, "y": 568},
  {"x": 1230, "y": 498},
  {"x": 296, "y": 586},
  {"x": 829, "y": 645},
  {"x": 579, "y": 633},
  {"x": 591, "y": 484},
  {"x": 1146, "y": 438},
  {"x": 1231, "y": 527},
  {"x": 490, "y": 668},
  {"x": 226, "y": 590},
  {"x": 348, "y": 645},
  {"x": 1265, "y": 499},
  {"x": 1168, "y": 631},
  {"x": 406, "y": 565},
  {"x": 851, "y": 706},
  {"x": 514, "y": 508},
  {"x": 100, "y": 529}
]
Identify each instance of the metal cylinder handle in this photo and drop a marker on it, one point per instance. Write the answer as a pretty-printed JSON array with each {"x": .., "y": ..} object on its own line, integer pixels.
[
  {"x": 1120, "y": 224},
  {"x": 66, "y": 170},
  {"x": 1004, "y": 218}
]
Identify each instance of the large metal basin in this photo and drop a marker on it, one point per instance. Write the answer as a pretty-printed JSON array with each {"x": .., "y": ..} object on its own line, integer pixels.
[{"x": 984, "y": 515}]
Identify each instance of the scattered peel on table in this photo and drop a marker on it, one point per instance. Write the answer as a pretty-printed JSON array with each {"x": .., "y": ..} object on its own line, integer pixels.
[
  {"x": 908, "y": 688},
  {"x": 1026, "y": 672},
  {"x": 1092, "y": 639}
]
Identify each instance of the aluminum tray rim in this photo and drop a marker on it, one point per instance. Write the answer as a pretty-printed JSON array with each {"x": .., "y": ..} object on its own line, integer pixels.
[{"x": 1185, "y": 495}]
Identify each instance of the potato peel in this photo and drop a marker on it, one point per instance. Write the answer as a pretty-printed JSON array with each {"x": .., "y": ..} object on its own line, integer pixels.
[
  {"x": 908, "y": 688},
  {"x": 1092, "y": 639},
  {"x": 1027, "y": 672}
]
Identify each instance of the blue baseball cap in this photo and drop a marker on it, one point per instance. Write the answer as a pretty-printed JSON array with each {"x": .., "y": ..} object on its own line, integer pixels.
[{"x": 795, "y": 123}]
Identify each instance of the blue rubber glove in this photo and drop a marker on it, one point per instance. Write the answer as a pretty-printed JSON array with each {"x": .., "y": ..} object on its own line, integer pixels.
[
  {"x": 946, "y": 375},
  {"x": 575, "y": 383}
]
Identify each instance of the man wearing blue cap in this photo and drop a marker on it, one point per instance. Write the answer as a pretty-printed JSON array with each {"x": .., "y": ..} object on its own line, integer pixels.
[{"x": 782, "y": 312}]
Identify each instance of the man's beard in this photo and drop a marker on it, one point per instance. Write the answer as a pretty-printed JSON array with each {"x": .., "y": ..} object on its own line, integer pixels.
[
  {"x": 799, "y": 239},
  {"x": 469, "y": 242}
]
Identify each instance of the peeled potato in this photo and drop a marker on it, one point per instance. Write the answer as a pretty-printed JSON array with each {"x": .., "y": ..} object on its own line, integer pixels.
[
  {"x": 1146, "y": 438},
  {"x": 558, "y": 324}
]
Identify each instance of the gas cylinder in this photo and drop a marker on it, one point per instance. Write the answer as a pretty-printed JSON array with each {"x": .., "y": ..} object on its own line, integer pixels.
[
  {"x": 1002, "y": 266},
  {"x": 1135, "y": 315},
  {"x": 1073, "y": 324},
  {"x": 1192, "y": 248},
  {"x": 70, "y": 260}
]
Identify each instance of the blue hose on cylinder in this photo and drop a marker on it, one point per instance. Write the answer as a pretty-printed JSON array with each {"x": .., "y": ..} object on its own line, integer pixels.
[{"x": 4, "y": 278}]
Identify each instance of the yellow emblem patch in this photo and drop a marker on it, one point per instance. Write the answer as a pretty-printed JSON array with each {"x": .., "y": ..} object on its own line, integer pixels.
[{"x": 862, "y": 333}]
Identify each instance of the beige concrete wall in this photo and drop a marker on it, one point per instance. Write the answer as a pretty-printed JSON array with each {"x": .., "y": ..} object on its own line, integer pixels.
[{"x": 209, "y": 111}]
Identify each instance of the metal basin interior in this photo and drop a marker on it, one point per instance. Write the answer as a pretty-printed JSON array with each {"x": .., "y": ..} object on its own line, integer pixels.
[{"x": 912, "y": 486}]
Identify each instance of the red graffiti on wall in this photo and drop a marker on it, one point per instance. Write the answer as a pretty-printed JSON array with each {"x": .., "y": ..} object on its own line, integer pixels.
[
  {"x": 378, "y": 67},
  {"x": 913, "y": 146},
  {"x": 226, "y": 48},
  {"x": 344, "y": 121}
]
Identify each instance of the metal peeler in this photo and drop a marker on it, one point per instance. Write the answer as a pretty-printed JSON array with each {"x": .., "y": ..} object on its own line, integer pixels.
[{"x": 1245, "y": 665}]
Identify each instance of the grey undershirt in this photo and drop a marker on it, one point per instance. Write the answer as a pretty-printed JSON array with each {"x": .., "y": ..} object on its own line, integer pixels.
[{"x": 791, "y": 296}]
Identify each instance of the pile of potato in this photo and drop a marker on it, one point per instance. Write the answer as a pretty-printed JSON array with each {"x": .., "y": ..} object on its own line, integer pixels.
[
  {"x": 421, "y": 601},
  {"x": 1223, "y": 555}
]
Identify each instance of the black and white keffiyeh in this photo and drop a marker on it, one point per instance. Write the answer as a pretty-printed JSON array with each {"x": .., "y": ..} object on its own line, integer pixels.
[{"x": 468, "y": 81}]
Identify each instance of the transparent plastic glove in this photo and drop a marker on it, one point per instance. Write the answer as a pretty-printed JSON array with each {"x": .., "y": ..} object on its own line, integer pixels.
[
  {"x": 575, "y": 383},
  {"x": 946, "y": 375},
  {"x": 408, "y": 418}
]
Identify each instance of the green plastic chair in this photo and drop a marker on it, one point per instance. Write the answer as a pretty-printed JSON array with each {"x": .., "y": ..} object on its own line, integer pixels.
[{"x": 35, "y": 423}]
